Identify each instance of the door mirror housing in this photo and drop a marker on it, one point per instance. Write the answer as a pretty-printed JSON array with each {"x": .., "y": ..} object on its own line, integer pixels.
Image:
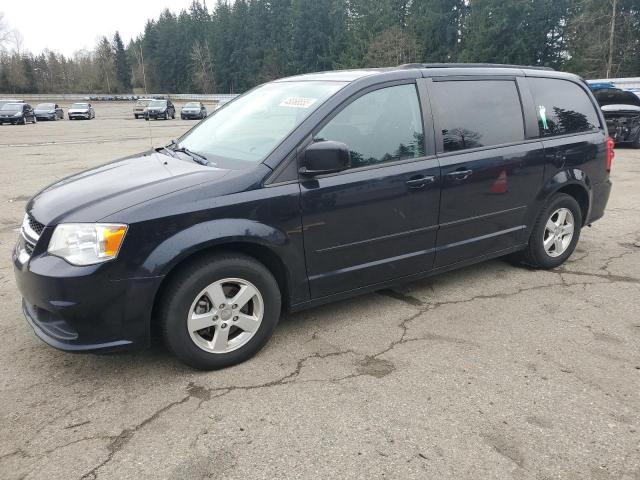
[{"x": 325, "y": 157}]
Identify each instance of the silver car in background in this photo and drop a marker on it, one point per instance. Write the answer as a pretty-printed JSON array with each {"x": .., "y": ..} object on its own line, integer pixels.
[
  {"x": 140, "y": 106},
  {"x": 81, "y": 110}
]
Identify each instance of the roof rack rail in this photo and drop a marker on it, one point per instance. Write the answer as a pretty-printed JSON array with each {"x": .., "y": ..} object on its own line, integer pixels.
[{"x": 468, "y": 65}]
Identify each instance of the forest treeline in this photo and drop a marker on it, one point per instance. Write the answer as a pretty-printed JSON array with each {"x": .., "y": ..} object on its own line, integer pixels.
[{"x": 232, "y": 46}]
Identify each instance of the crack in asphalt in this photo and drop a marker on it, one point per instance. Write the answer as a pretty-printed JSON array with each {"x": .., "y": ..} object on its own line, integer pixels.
[{"x": 118, "y": 442}]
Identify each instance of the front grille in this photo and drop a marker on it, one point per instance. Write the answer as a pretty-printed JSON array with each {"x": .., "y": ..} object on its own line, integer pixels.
[
  {"x": 35, "y": 225},
  {"x": 28, "y": 247}
]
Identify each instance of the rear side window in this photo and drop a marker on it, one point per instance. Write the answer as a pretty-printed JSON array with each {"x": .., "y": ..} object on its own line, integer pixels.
[
  {"x": 477, "y": 113},
  {"x": 562, "y": 107},
  {"x": 382, "y": 126}
]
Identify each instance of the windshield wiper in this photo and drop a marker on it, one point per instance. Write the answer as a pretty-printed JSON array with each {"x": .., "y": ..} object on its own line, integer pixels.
[{"x": 196, "y": 157}]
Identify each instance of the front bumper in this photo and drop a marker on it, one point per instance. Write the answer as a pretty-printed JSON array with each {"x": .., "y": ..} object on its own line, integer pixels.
[
  {"x": 46, "y": 116},
  {"x": 191, "y": 115},
  {"x": 156, "y": 114},
  {"x": 79, "y": 115},
  {"x": 81, "y": 308}
]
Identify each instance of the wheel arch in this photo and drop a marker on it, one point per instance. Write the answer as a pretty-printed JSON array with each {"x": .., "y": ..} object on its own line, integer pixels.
[
  {"x": 255, "y": 246},
  {"x": 573, "y": 182}
]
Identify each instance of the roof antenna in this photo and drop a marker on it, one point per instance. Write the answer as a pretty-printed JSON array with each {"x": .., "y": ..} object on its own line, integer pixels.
[{"x": 146, "y": 94}]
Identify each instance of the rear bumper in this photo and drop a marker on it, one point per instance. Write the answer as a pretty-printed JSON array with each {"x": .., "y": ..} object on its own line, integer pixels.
[
  {"x": 80, "y": 308},
  {"x": 599, "y": 198},
  {"x": 191, "y": 115}
]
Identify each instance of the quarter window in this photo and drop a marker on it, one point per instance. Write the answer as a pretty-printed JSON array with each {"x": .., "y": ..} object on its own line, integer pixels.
[
  {"x": 381, "y": 126},
  {"x": 477, "y": 113},
  {"x": 562, "y": 107}
]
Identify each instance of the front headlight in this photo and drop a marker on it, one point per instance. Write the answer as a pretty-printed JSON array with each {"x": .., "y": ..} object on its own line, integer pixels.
[
  {"x": 17, "y": 114},
  {"x": 87, "y": 243}
]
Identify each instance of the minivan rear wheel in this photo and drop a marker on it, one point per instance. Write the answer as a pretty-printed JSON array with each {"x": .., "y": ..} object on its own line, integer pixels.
[
  {"x": 556, "y": 232},
  {"x": 219, "y": 311}
]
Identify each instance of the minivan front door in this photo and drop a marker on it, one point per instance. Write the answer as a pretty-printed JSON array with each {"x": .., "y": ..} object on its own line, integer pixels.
[
  {"x": 490, "y": 173},
  {"x": 377, "y": 220}
]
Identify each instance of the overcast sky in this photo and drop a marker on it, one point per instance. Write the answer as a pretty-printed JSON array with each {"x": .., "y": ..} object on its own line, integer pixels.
[{"x": 70, "y": 25}]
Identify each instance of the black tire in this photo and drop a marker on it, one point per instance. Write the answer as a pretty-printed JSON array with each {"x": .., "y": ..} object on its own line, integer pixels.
[
  {"x": 136, "y": 116},
  {"x": 535, "y": 253},
  {"x": 23, "y": 120},
  {"x": 182, "y": 290},
  {"x": 146, "y": 118},
  {"x": 173, "y": 116},
  {"x": 636, "y": 142},
  {"x": 35, "y": 120}
]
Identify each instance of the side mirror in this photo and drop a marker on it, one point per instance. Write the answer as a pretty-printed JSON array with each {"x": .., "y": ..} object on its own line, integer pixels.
[{"x": 325, "y": 157}]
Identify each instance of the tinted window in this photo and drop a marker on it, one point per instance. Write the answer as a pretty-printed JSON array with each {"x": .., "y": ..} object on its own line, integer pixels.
[
  {"x": 477, "y": 113},
  {"x": 562, "y": 107},
  {"x": 380, "y": 126}
]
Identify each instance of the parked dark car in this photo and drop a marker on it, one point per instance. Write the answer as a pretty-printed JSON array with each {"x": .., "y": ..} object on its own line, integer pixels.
[
  {"x": 193, "y": 111},
  {"x": 17, "y": 114},
  {"x": 48, "y": 111},
  {"x": 160, "y": 109},
  {"x": 81, "y": 111},
  {"x": 140, "y": 106},
  {"x": 622, "y": 113},
  {"x": 307, "y": 190}
]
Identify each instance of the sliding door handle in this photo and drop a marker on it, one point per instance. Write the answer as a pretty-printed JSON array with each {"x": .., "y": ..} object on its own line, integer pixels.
[{"x": 459, "y": 174}]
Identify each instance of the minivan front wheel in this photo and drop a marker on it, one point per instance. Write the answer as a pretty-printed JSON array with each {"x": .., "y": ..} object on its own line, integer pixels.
[
  {"x": 220, "y": 311},
  {"x": 555, "y": 233}
]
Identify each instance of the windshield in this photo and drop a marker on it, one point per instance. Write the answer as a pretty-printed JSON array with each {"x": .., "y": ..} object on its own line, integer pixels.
[
  {"x": 158, "y": 103},
  {"x": 45, "y": 106},
  {"x": 251, "y": 126},
  {"x": 12, "y": 107},
  {"x": 80, "y": 105},
  {"x": 192, "y": 105}
]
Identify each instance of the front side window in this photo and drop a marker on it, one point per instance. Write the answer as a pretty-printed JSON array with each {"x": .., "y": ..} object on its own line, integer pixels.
[
  {"x": 245, "y": 131},
  {"x": 562, "y": 107},
  {"x": 381, "y": 126},
  {"x": 477, "y": 113}
]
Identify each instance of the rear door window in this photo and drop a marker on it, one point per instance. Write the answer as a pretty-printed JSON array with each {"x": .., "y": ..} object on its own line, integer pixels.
[
  {"x": 562, "y": 107},
  {"x": 477, "y": 113}
]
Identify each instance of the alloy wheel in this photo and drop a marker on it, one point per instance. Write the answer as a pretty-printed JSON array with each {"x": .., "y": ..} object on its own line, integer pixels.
[
  {"x": 558, "y": 232},
  {"x": 225, "y": 315}
]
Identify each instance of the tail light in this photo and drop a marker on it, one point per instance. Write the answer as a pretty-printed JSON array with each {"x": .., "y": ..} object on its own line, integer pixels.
[{"x": 610, "y": 153}]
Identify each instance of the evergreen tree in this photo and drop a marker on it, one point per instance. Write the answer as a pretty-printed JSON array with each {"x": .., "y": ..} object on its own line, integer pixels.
[{"x": 122, "y": 67}]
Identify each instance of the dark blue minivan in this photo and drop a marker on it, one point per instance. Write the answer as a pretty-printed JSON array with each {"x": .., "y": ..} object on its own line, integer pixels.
[{"x": 310, "y": 189}]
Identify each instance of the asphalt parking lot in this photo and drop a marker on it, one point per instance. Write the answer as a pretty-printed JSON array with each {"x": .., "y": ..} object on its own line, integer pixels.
[{"x": 493, "y": 371}]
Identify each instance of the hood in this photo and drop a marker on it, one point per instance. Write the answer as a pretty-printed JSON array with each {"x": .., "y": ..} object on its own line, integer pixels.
[
  {"x": 616, "y": 97},
  {"x": 97, "y": 193}
]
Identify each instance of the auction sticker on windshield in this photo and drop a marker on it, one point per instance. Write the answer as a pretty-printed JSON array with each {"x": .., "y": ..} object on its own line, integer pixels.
[{"x": 298, "y": 102}]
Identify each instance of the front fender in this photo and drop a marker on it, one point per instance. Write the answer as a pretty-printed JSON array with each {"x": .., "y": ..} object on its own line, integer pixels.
[{"x": 173, "y": 250}]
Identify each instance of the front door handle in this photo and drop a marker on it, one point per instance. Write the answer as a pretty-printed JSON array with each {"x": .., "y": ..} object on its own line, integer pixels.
[
  {"x": 420, "y": 181},
  {"x": 460, "y": 174}
]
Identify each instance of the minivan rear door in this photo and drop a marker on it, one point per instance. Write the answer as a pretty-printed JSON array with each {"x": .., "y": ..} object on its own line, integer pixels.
[
  {"x": 490, "y": 171},
  {"x": 377, "y": 220}
]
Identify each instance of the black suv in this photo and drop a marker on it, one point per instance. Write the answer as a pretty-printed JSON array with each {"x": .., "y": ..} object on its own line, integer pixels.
[
  {"x": 160, "y": 109},
  {"x": 307, "y": 190}
]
